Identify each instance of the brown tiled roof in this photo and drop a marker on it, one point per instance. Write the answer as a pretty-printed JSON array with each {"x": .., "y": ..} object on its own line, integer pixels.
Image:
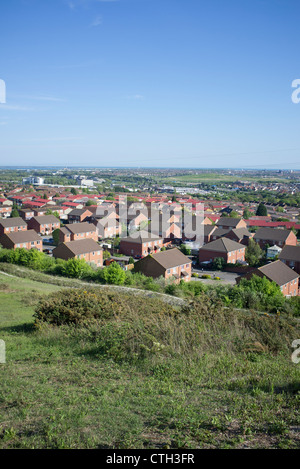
[
  {"x": 12, "y": 222},
  {"x": 290, "y": 253},
  {"x": 46, "y": 219},
  {"x": 278, "y": 272},
  {"x": 84, "y": 227},
  {"x": 83, "y": 246},
  {"x": 171, "y": 258},
  {"x": 222, "y": 245},
  {"x": 23, "y": 236}
]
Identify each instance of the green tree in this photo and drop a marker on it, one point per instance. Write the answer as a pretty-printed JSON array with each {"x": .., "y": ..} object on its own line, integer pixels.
[
  {"x": 247, "y": 214},
  {"x": 113, "y": 275},
  {"x": 261, "y": 210},
  {"x": 218, "y": 263},
  {"x": 185, "y": 250},
  {"x": 55, "y": 236},
  {"x": 253, "y": 253},
  {"x": 89, "y": 203},
  {"x": 74, "y": 191},
  {"x": 76, "y": 268}
]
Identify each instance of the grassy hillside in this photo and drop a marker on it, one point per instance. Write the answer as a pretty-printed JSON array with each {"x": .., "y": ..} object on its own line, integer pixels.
[{"x": 145, "y": 376}]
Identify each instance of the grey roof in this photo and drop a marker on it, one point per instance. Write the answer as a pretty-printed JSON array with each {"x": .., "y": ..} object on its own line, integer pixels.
[
  {"x": 276, "y": 234},
  {"x": 141, "y": 237},
  {"x": 12, "y": 222},
  {"x": 222, "y": 245},
  {"x": 290, "y": 253},
  {"x": 79, "y": 211},
  {"x": 278, "y": 272},
  {"x": 228, "y": 221}
]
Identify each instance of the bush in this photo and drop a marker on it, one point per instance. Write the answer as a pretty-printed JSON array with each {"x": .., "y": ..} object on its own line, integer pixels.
[{"x": 112, "y": 275}]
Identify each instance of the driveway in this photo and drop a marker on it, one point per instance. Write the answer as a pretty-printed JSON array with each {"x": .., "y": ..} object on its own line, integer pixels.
[{"x": 227, "y": 278}]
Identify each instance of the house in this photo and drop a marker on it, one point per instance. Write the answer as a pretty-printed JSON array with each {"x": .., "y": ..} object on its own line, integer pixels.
[
  {"x": 273, "y": 252},
  {"x": 79, "y": 215},
  {"x": 208, "y": 232},
  {"x": 11, "y": 225},
  {"x": 290, "y": 255},
  {"x": 140, "y": 244},
  {"x": 170, "y": 264},
  {"x": 231, "y": 223},
  {"x": 240, "y": 235},
  {"x": 44, "y": 225},
  {"x": 107, "y": 227},
  {"x": 86, "y": 249},
  {"x": 26, "y": 213},
  {"x": 77, "y": 231},
  {"x": 270, "y": 236},
  {"x": 28, "y": 239},
  {"x": 231, "y": 251},
  {"x": 281, "y": 274},
  {"x": 40, "y": 212},
  {"x": 5, "y": 211}
]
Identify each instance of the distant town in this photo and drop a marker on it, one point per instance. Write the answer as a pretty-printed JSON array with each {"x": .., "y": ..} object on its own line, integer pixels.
[{"x": 177, "y": 225}]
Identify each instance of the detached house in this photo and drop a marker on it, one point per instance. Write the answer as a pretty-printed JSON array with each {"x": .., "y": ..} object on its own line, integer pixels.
[
  {"x": 12, "y": 225},
  {"x": 86, "y": 249},
  {"x": 278, "y": 272},
  {"x": 28, "y": 239},
  {"x": 44, "y": 225},
  {"x": 278, "y": 236},
  {"x": 168, "y": 264},
  {"x": 77, "y": 231},
  {"x": 290, "y": 255},
  {"x": 231, "y": 251}
]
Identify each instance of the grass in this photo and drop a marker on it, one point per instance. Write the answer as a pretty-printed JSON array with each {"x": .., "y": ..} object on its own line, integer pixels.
[{"x": 60, "y": 390}]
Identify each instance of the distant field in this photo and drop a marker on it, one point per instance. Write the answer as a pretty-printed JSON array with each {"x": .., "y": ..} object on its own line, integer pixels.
[
  {"x": 58, "y": 390},
  {"x": 216, "y": 177}
]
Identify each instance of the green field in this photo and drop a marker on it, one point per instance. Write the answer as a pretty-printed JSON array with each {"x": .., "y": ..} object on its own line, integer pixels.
[{"x": 58, "y": 390}]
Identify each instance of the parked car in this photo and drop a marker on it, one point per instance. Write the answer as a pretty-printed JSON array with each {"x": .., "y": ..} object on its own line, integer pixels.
[{"x": 48, "y": 241}]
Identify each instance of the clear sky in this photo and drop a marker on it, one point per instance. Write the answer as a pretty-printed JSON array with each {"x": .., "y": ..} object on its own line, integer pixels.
[{"x": 179, "y": 83}]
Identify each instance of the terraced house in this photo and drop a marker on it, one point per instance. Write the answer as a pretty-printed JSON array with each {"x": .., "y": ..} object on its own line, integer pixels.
[
  {"x": 86, "y": 249},
  {"x": 28, "y": 239}
]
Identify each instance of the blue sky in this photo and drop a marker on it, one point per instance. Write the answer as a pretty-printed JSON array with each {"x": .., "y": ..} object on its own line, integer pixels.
[{"x": 171, "y": 83}]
